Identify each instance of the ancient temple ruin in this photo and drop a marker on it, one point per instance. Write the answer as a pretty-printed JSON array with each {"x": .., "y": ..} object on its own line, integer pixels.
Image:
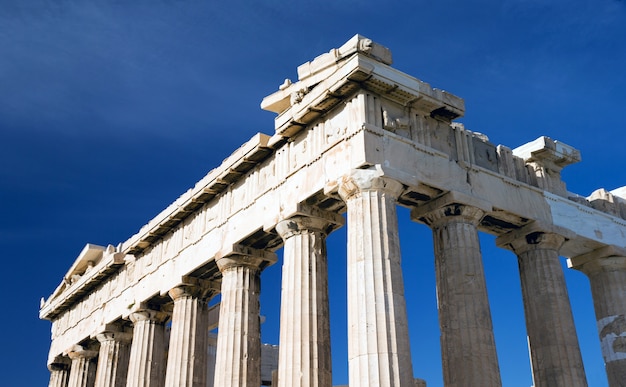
[{"x": 353, "y": 135}]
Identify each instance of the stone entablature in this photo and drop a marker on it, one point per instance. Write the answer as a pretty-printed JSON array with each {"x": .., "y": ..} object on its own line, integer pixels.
[{"x": 349, "y": 116}]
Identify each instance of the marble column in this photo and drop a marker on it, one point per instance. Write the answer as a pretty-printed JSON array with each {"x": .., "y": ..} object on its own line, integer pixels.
[
  {"x": 304, "y": 348},
  {"x": 468, "y": 347},
  {"x": 83, "y": 369},
  {"x": 146, "y": 367},
  {"x": 378, "y": 339},
  {"x": 238, "y": 362},
  {"x": 554, "y": 350},
  {"x": 59, "y": 372},
  {"x": 606, "y": 269},
  {"x": 187, "y": 356},
  {"x": 113, "y": 358}
]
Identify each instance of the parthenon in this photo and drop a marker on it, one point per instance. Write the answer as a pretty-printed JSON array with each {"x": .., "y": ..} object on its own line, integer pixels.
[{"x": 354, "y": 137}]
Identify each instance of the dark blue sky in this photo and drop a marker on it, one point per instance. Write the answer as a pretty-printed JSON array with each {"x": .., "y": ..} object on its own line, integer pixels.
[{"x": 109, "y": 111}]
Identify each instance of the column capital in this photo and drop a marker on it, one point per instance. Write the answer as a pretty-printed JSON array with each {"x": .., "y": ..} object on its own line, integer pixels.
[
  {"x": 119, "y": 336},
  {"x": 604, "y": 264},
  {"x": 79, "y": 352},
  {"x": 606, "y": 258},
  {"x": 58, "y": 367},
  {"x": 194, "y": 287},
  {"x": 145, "y": 314},
  {"x": 309, "y": 218},
  {"x": 446, "y": 213},
  {"x": 371, "y": 179},
  {"x": 534, "y": 236},
  {"x": 451, "y": 205},
  {"x": 537, "y": 240},
  {"x": 59, "y": 363},
  {"x": 112, "y": 331},
  {"x": 237, "y": 255},
  {"x": 238, "y": 350}
]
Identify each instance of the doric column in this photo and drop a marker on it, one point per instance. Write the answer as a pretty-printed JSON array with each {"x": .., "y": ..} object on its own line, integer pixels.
[
  {"x": 606, "y": 269},
  {"x": 187, "y": 355},
  {"x": 59, "y": 372},
  {"x": 113, "y": 357},
  {"x": 146, "y": 367},
  {"x": 554, "y": 350},
  {"x": 83, "y": 369},
  {"x": 238, "y": 362},
  {"x": 467, "y": 343},
  {"x": 304, "y": 348},
  {"x": 378, "y": 339}
]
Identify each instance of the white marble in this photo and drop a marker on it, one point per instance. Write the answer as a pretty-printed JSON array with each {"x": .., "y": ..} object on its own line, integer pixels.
[
  {"x": 238, "y": 359},
  {"x": 352, "y": 134},
  {"x": 379, "y": 352},
  {"x": 83, "y": 368},
  {"x": 113, "y": 358},
  {"x": 187, "y": 354},
  {"x": 59, "y": 372},
  {"x": 304, "y": 354},
  {"x": 147, "y": 355}
]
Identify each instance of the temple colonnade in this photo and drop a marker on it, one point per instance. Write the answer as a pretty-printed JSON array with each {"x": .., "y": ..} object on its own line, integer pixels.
[{"x": 353, "y": 137}]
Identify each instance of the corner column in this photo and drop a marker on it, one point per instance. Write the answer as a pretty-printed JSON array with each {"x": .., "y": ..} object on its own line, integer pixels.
[
  {"x": 147, "y": 353},
  {"x": 378, "y": 339},
  {"x": 554, "y": 350},
  {"x": 606, "y": 269},
  {"x": 187, "y": 356},
  {"x": 468, "y": 346},
  {"x": 304, "y": 357},
  {"x": 238, "y": 362},
  {"x": 59, "y": 372},
  {"x": 113, "y": 358},
  {"x": 83, "y": 369}
]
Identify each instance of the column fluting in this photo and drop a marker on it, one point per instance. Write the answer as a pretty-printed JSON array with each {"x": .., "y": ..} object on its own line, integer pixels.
[
  {"x": 304, "y": 357},
  {"x": 59, "y": 372},
  {"x": 238, "y": 360},
  {"x": 554, "y": 350},
  {"x": 607, "y": 276},
  {"x": 187, "y": 355},
  {"x": 378, "y": 339},
  {"x": 147, "y": 353},
  {"x": 468, "y": 346},
  {"x": 113, "y": 358},
  {"x": 83, "y": 369}
]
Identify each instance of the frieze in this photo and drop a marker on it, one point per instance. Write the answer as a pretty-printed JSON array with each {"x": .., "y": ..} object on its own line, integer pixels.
[{"x": 207, "y": 224}]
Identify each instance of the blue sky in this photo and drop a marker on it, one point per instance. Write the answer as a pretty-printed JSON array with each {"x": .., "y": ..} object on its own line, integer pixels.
[{"x": 109, "y": 111}]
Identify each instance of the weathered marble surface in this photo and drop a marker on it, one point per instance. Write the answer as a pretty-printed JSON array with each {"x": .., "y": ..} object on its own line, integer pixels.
[
  {"x": 379, "y": 352},
  {"x": 348, "y": 112},
  {"x": 555, "y": 352},
  {"x": 305, "y": 312},
  {"x": 468, "y": 347}
]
